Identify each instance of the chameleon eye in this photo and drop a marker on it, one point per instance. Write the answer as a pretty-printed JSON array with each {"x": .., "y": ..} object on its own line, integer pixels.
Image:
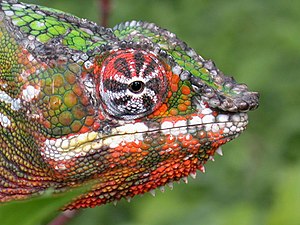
[
  {"x": 133, "y": 83},
  {"x": 136, "y": 87}
]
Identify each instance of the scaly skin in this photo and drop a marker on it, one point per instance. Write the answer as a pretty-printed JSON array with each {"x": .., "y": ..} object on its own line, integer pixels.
[{"x": 126, "y": 109}]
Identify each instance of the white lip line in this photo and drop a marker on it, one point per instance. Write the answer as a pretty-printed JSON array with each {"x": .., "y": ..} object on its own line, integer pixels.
[
  {"x": 100, "y": 139},
  {"x": 245, "y": 122}
]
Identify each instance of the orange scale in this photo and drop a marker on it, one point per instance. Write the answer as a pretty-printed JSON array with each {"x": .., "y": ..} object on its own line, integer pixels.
[
  {"x": 115, "y": 154},
  {"x": 169, "y": 94},
  {"x": 185, "y": 144},
  {"x": 95, "y": 126},
  {"x": 30, "y": 65},
  {"x": 124, "y": 162},
  {"x": 32, "y": 70},
  {"x": 25, "y": 51},
  {"x": 145, "y": 146},
  {"x": 174, "y": 87},
  {"x": 143, "y": 154},
  {"x": 178, "y": 153},
  {"x": 135, "y": 191},
  {"x": 195, "y": 161},
  {"x": 84, "y": 129},
  {"x": 161, "y": 140},
  {"x": 194, "y": 141},
  {"x": 164, "y": 148},
  {"x": 178, "y": 173},
  {"x": 182, "y": 107},
  {"x": 218, "y": 143},
  {"x": 175, "y": 79},
  {"x": 67, "y": 164},
  {"x": 117, "y": 149},
  {"x": 175, "y": 145},
  {"x": 185, "y": 90},
  {"x": 197, "y": 146},
  {"x": 112, "y": 165},
  {"x": 173, "y": 112},
  {"x": 132, "y": 164},
  {"x": 187, "y": 162},
  {"x": 161, "y": 169},
  {"x": 202, "y": 134},
  {"x": 201, "y": 116},
  {"x": 161, "y": 110},
  {"x": 168, "y": 169},
  {"x": 101, "y": 116},
  {"x": 97, "y": 69},
  {"x": 20, "y": 61},
  {"x": 210, "y": 134},
  {"x": 184, "y": 97},
  {"x": 181, "y": 137},
  {"x": 126, "y": 149},
  {"x": 133, "y": 150},
  {"x": 175, "y": 166},
  {"x": 126, "y": 145},
  {"x": 217, "y": 135},
  {"x": 137, "y": 144},
  {"x": 89, "y": 120},
  {"x": 20, "y": 79},
  {"x": 215, "y": 114},
  {"x": 47, "y": 124},
  {"x": 72, "y": 164},
  {"x": 170, "y": 139},
  {"x": 139, "y": 157},
  {"x": 171, "y": 173},
  {"x": 188, "y": 137},
  {"x": 164, "y": 180},
  {"x": 187, "y": 103}
]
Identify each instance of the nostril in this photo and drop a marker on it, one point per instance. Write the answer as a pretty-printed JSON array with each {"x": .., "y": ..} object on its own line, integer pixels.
[{"x": 243, "y": 106}]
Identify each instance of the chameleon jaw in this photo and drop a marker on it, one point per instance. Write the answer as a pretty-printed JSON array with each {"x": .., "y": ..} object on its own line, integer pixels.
[{"x": 65, "y": 155}]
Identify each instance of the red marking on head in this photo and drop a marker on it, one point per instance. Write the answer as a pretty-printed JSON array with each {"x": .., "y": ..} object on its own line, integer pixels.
[{"x": 130, "y": 63}]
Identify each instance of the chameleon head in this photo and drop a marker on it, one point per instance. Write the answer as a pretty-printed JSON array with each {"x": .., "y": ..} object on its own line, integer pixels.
[
  {"x": 129, "y": 109},
  {"x": 167, "y": 121}
]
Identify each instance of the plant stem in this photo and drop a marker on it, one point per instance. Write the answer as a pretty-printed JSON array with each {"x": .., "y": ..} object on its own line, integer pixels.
[
  {"x": 64, "y": 217},
  {"x": 104, "y": 8}
]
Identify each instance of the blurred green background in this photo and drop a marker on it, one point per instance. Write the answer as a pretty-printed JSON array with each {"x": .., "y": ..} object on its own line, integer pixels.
[{"x": 257, "y": 182}]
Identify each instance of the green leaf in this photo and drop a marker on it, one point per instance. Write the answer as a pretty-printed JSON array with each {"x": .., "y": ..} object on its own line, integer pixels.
[{"x": 36, "y": 210}]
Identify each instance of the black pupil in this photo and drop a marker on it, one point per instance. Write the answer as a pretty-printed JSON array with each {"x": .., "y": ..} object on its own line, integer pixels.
[{"x": 136, "y": 86}]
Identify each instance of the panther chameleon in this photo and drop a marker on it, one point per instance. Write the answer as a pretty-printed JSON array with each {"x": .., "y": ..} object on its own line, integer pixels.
[{"x": 126, "y": 109}]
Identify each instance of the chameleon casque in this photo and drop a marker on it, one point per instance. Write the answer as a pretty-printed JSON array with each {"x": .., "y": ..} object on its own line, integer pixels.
[{"x": 127, "y": 109}]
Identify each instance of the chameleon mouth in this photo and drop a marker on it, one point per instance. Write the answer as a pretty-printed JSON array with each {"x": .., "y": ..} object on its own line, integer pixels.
[{"x": 217, "y": 127}]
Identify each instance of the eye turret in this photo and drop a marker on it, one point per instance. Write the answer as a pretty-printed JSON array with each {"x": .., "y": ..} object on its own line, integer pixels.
[{"x": 133, "y": 83}]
